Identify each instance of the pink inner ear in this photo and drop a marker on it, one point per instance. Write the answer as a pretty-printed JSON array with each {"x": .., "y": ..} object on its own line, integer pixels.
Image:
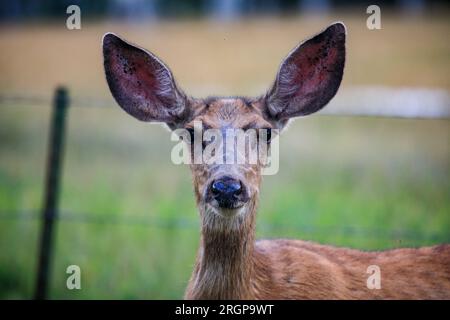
[
  {"x": 315, "y": 64},
  {"x": 137, "y": 74}
]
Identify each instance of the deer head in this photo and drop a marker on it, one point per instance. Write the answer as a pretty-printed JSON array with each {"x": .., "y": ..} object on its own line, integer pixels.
[{"x": 226, "y": 194}]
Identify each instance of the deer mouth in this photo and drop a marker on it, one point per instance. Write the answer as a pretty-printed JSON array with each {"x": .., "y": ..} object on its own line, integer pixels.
[
  {"x": 225, "y": 212},
  {"x": 228, "y": 204}
]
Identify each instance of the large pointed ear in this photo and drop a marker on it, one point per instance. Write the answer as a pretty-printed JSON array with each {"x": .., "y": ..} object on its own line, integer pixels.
[
  {"x": 141, "y": 83},
  {"x": 309, "y": 76}
]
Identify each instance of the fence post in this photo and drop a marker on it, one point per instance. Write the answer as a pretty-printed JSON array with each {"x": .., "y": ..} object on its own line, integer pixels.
[{"x": 50, "y": 208}]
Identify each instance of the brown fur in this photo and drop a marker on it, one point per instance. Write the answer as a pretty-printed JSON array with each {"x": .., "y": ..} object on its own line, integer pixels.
[{"x": 230, "y": 264}]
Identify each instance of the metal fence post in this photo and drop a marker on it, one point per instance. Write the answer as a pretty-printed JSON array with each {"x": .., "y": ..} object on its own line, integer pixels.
[{"x": 53, "y": 176}]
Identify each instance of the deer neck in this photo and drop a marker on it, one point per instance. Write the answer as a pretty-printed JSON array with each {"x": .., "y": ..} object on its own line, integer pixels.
[{"x": 224, "y": 263}]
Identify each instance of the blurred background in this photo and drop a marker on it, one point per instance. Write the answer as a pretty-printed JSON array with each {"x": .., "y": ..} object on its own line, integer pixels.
[{"x": 370, "y": 172}]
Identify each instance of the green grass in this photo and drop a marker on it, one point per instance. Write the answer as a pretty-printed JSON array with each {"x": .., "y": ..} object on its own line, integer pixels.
[{"x": 129, "y": 218}]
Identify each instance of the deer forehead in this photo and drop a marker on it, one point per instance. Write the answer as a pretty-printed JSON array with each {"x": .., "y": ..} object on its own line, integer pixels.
[{"x": 219, "y": 113}]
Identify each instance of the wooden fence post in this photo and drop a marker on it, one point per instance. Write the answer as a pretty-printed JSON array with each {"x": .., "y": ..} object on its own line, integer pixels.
[{"x": 52, "y": 183}]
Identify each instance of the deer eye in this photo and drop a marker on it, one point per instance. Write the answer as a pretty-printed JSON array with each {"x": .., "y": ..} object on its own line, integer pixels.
[
  {"x": 191, "y": 133},
  {"x": 205, "y": 143},
  {"x": 268, "y": 134}
]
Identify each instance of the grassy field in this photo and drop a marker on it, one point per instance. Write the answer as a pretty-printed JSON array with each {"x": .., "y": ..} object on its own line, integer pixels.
[{"x": 129, "y": 218}]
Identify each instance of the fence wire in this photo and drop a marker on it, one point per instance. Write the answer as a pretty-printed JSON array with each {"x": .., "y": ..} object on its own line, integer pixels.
[
  {"x": 39, "y": 101},
  {"x": 362, "y": 101},
  {"x": 185, "y": 223}
]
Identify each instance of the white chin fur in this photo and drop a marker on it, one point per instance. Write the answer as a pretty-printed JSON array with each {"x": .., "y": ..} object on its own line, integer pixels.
[
  {"x": 228, "y": 213},
  {"x": 223, "y": 212},
  {"x": 223, "y": 219}
]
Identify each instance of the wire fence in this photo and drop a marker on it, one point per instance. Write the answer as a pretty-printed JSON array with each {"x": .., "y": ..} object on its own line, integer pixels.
[
  {"x": 39, "y": 101},
  {"x": 186, "y": 223},
  {"x": 356, "y": 101},
  {"x": 393, "y": 104}
]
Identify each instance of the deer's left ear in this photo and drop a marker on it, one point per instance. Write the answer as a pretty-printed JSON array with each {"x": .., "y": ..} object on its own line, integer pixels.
[{"x": 309, "y": 76}]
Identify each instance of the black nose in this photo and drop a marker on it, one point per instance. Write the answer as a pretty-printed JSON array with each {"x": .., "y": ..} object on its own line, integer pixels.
[
  {"x": 226, "y": 187},
  {"x": 226, "y": 191}
]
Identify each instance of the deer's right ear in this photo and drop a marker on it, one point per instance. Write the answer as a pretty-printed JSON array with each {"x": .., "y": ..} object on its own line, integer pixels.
[{"x": 141, "y": 84}]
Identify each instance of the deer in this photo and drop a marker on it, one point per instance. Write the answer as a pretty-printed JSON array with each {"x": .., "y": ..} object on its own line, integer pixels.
[{"x": 230, "y": 263}]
